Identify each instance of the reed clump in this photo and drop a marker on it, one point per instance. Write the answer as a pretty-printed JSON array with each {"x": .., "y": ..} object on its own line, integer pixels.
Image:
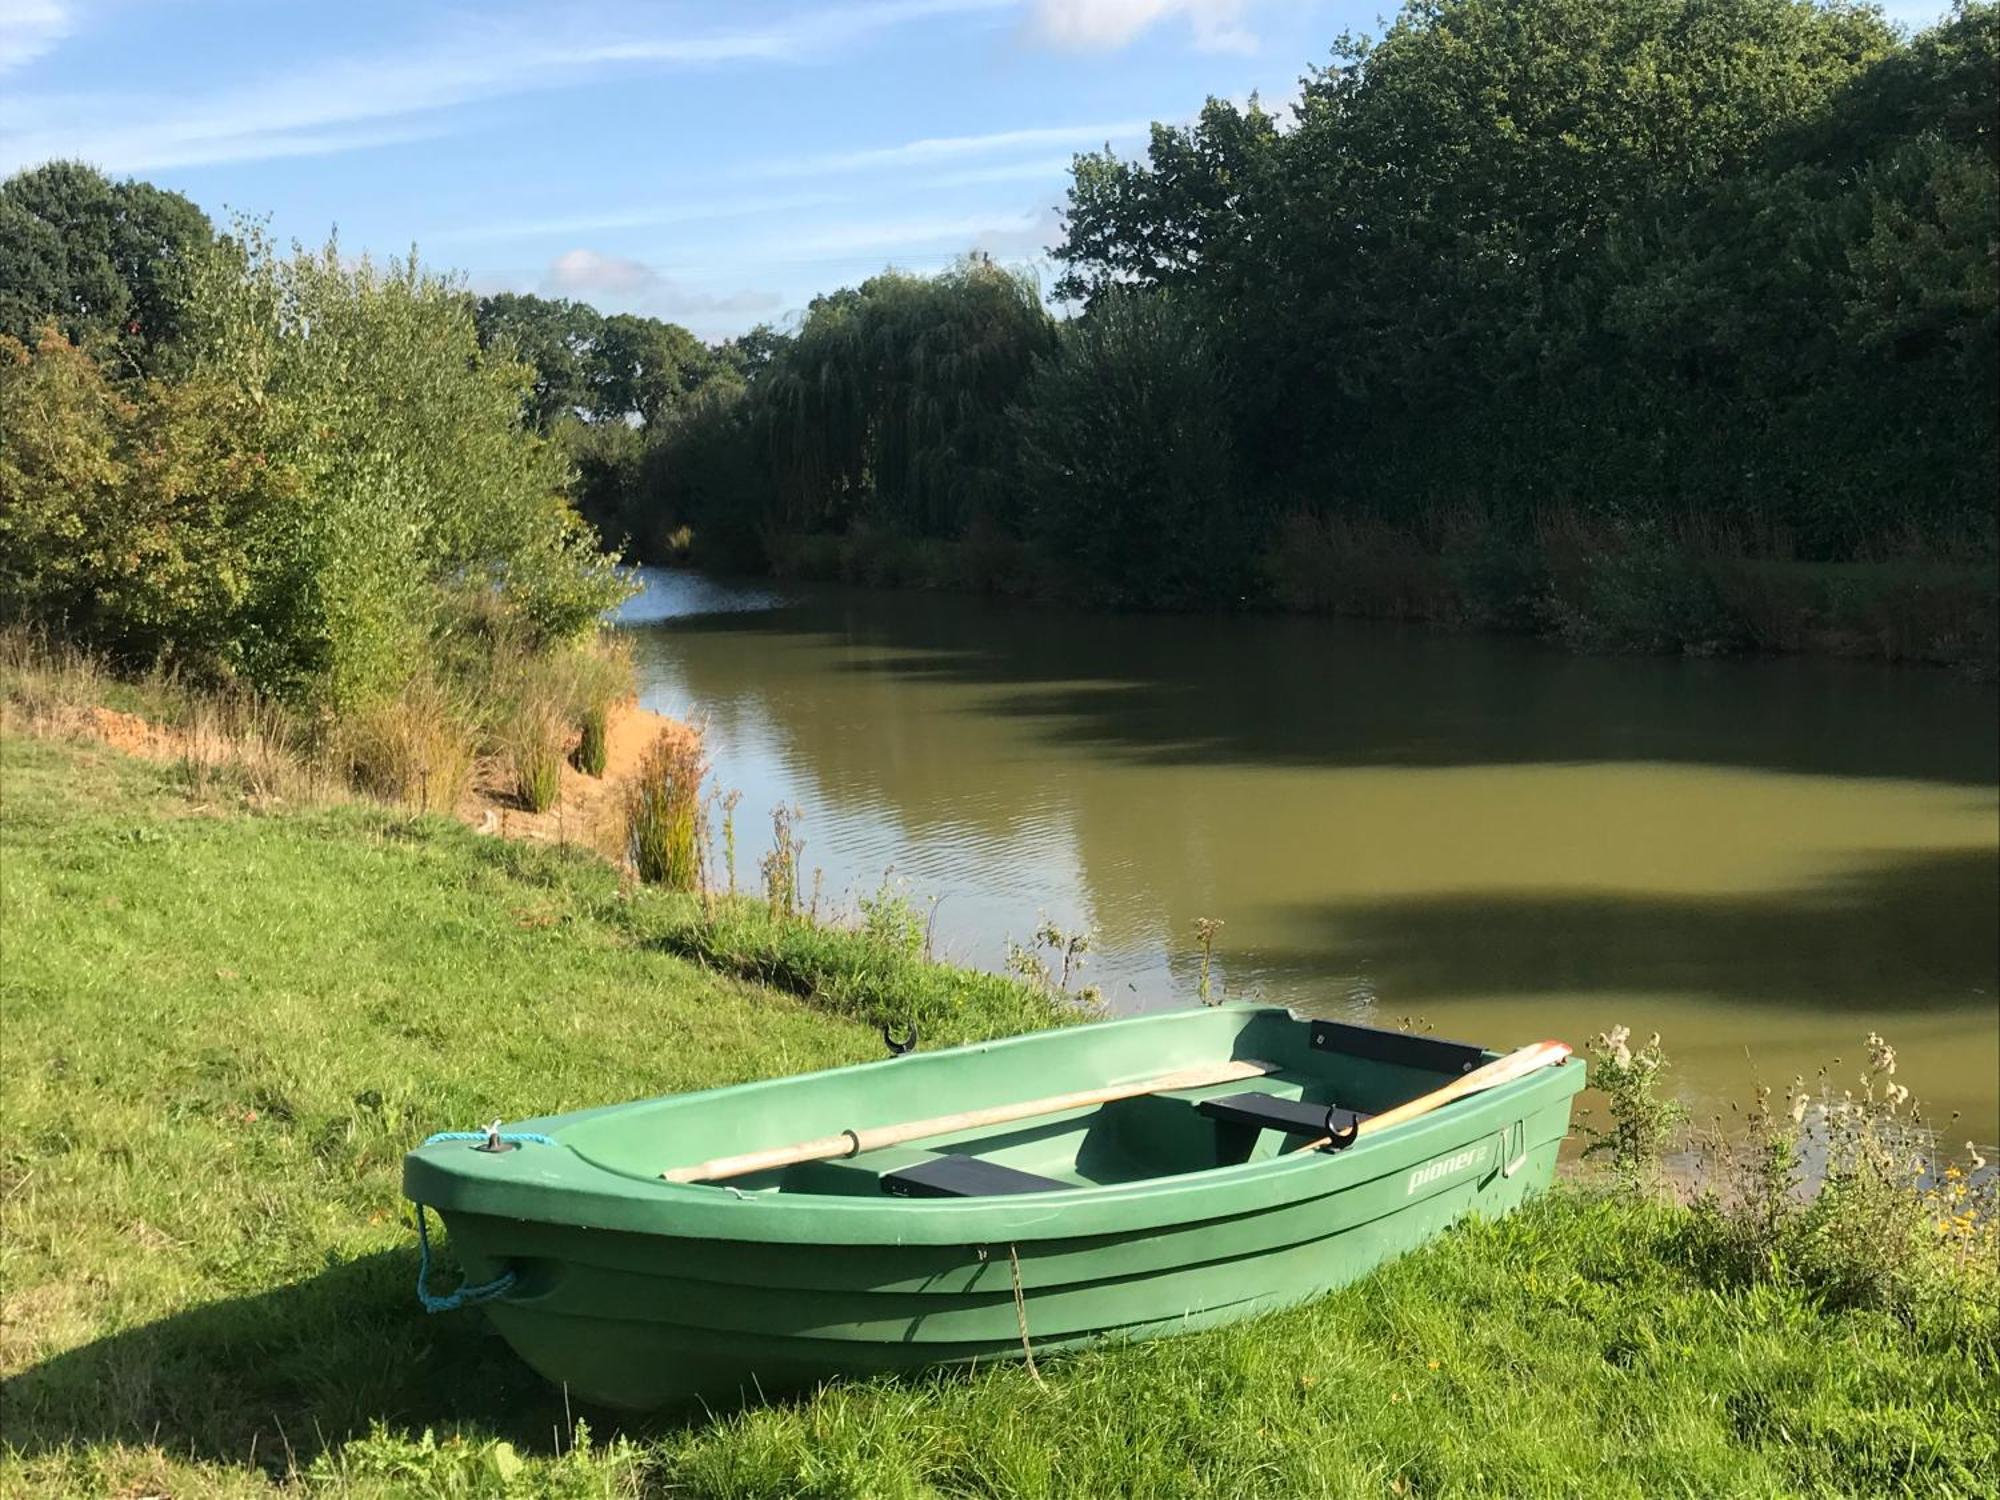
[
  {"x": 592, "y": 739},
  {"x": 537, "y": 739},
  {"x": 663, "y": 812},
  {"x": 416, "y": 748}
]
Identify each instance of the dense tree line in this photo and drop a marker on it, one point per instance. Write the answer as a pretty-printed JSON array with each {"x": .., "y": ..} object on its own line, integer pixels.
[
  {"x": 1612, "y": 317},
  {"x": 1516, "y": 286}
]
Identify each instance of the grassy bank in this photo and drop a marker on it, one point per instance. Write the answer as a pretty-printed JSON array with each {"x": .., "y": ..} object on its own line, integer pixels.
[{"x": 221, "y": 1023}]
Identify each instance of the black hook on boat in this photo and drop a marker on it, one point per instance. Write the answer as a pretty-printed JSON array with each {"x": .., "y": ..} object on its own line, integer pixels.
[
  {"x": 898, "y": 1048},
  {"x": 1338, "y": 1139}
]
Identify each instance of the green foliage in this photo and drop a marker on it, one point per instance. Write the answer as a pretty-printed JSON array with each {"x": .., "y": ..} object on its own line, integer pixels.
[
  {"x": 615, "y": 370},
  {"x": 111, "y": 265},
  {"x": 1643, "y": 1124},
  {"x": 1521, "y": 255},
  {"x": 1706, "y": 284},
  {"x": 125, "y": 514},
  {"x": 554, "y": 338},
  {"x": 337, "y": 474},
  {"x": 890, "y": 918},
  {"x": 1125, "y": 459},
  {"x": 1885, "y": 1226},
  {"x": 889, "y": 405}
]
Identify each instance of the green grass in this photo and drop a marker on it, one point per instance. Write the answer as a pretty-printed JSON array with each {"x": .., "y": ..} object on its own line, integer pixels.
[{"x": 220, "y": 1029}]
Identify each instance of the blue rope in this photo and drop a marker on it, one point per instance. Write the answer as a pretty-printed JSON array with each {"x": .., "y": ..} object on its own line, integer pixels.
[
  {"x": 465, "y": 1296},
  {"x": 516, "y": 1136}
]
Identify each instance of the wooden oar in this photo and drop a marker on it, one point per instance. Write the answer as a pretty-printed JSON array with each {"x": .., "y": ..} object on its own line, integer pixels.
[
  {"x": 1517, "y": 1064},
  {"x": 854, "y": 1142}
]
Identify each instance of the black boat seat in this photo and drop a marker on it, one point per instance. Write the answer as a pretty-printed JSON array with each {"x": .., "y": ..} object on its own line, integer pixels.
[
  {"x": 1269, "y": 1112},
  {"x": 965, "y": 1177}
]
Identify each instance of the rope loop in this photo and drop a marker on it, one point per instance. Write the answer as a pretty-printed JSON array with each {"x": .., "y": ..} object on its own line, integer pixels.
[
  {"x": 518, "y": 1137},
  {"x": 465, "y": 1296}
]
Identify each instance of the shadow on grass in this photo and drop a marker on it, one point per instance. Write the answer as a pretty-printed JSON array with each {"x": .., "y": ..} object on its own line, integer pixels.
[{"x": 276, "y": 1377}]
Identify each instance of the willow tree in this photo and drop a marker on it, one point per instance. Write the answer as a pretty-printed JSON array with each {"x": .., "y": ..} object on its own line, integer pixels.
[{"x": 889, "y": 407}]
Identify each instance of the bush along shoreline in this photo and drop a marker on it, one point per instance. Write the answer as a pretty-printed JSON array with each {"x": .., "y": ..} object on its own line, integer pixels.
[{"x": 228, "y": 1310}]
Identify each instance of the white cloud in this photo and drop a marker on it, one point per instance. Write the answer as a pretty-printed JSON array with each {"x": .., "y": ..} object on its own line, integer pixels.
[
  {"x": 632, "y": 285},
  {"x": 345, "y": 103},
  {"x": 29, "y": 28},
  {"x": 1053, "y": 169},
  {"x": 988, "y": 231},
  {"x": 1101, "y": 25},
  {"x": 952, "y": 147},
  {"x": 580, "y": 273},
  {"x": 641, "y": 218}
]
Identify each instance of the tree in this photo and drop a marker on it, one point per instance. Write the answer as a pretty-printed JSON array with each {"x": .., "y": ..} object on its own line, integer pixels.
[
  {"x": 557, "y": 338},
  {"x": 644, "y": 369},
  {"x": 1126, "y": 462},
  {"x": 890, "y": 404},
  {"x": 110, "y": 264}
]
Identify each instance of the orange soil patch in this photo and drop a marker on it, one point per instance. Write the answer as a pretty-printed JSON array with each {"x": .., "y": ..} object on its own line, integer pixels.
[
  {"x": 130, "y": 733},
  {"x": 588, "y": 811}
]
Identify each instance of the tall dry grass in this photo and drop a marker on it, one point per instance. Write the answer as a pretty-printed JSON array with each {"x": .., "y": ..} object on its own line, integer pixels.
[{"x": 416, "y": 748}]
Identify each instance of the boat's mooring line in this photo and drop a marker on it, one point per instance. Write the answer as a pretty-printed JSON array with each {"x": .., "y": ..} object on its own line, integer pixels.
[
  {"x": 1021, "y": 1315},
  {"x": 492, "y": 1138},
  {"x": 465, "y": 1296}
]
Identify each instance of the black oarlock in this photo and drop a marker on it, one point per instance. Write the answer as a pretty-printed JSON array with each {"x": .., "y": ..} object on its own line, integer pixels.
[{"x": 1342, "y": 1126}]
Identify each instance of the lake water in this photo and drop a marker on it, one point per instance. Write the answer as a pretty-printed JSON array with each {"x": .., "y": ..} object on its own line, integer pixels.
[{"x": 1763, "y": 860}]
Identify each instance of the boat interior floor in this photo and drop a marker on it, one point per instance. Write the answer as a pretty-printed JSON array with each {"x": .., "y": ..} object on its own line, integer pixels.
[{"x": 1127, "y": 1140}]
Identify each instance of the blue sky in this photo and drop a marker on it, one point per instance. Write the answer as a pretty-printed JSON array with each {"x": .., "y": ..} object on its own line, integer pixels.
[{"x": 717, "y": 164}]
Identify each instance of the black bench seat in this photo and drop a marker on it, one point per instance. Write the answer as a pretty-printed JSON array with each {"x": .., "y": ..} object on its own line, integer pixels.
[
  {"x": 1269, "y": 1112},
  {"x": 965, "y": 1177}
]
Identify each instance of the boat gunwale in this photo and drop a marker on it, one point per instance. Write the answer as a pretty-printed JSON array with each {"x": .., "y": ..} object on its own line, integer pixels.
[{"x": 580, "y": 1192}]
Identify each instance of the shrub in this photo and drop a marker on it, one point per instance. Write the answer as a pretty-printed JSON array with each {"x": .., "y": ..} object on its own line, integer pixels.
[
  {"x": 890, "y": 918},
  {"x": 663, "y": 812},
  {"x": 1884, "y": 1226},
  {"x": 1642, "y": 1123},
  {"x": 1636, "y": 591}
]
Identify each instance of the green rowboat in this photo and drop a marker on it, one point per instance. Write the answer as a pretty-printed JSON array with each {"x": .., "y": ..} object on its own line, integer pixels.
[{"x": 1123, "y": 1179}]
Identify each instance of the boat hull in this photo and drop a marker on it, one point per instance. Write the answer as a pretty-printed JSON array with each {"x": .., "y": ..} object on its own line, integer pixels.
[{"x": 723, "y": 1295}]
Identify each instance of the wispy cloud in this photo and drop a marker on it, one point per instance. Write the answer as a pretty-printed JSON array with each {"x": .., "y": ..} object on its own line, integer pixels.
[
  {"x": 914, "y": 154},
  {"x": 952, "y": 148},
  {"x": 29, "y": 28},
  {"x": 969, "y": 230},
  {"x": 1100, "y": 25},
  {"x": 638, "y": 218},
  {"x": 635, "y": 286},
  {"x": 346, "y": 103},
  {"x": 1054, "y": 169}
]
